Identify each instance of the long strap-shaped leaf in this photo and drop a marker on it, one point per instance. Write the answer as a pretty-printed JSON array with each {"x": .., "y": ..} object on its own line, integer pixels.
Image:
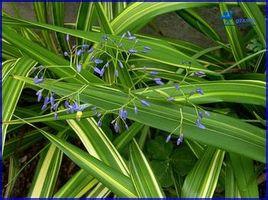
[
  {"x": 231, "y": 189},
  {"x": 12, "y": 90},
  {"x": 202, "y": 180},
  {"x": 222, "y": 131},
  {"x": 142, "y": 175},
  {"x": 117, "y": 182},
  {"x": 46, "y": 176},
  {"x": 244, "y": 175}
]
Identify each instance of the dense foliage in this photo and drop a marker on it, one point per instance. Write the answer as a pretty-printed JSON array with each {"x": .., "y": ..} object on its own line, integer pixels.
[{"x": 139, "y": 115}]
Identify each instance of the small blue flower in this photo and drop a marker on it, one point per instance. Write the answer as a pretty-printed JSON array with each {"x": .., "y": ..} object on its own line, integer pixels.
[
  {"x": 55, "y": 106},
  {"x": 200, "y": 114},
  {"x": 153, "y": 73},
  {"x": 199, "y": 74},
  {"x": 98, "y": 71},
  {"x": 116, "y": 73},
  {"x": 55, "y": 115},
  {"x": 79, "y": 67},
  {"x": 39, "y": 95},
  {"x": 116, "y": 127},
  {"x": 67, "y": 37},
  {"x": 52, "y": 99},
  {"x": 199, "y": 125},
  {"x": 177, "y": 86},
  {"x": 158, "y": 81},
  {"x": 123, "y": 114},
  {"x": 46, "y": 101},
  {"x": 135, "y": 109},
  {"x": 168, "y": 138},
  {"x": 65, "y": 53},
  {"x": 91, "y": 50},
  {"x": 180, "y": 139},
  {"x": 98, "y": 61},
  {"x": 132, "y": 51},
  {"x": 85, "y": 46},
  {"x": 199, "y": 91},
  {"x": 79, "y": 52},
  {"x": 145, "y": 103},
  {"x": 99, "y": 123},
  {"x": 38, "y": 80},
  {"x": 146, "y": 49},
  {"x": 170, "y": 99},
  {"x": 120, "y": 64}
]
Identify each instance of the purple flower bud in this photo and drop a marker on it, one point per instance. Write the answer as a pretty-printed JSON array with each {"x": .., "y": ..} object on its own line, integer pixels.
[
  {"x": 116, "y": 127},
  {"x": 180, "y": 139},
  {"x": 199, "y": 74},
  {"x": 55, "y": 106},
  {"x": 52, "y": 100},
  {"x": 135, "y": 109},
  {"x": 177, "y": 86},
  {"x": 38, "y": 80},
  {"x": 98, "y": 71},
  {"x": 65, "y": 53},
  {"x": 99, "y": 123},
  {"x": 132, "y": 51},
  {"x": 98, "y": 61},
  {"x": 91, "y": 50},
  {"x": 46, "y": 101},
  {"x": 168, "y": 138},
  {"x": 67, "y": 37},
  {"x": 123, "y": 113},
  {"x": 199, "y": 91},
  {"x": 39, "y": 95},
  {"x": 79, "y": 52},
  {"x": 199, "y": 125},
  {"x": 170, "y": 99},
  {"x": 120, "y": 64},
  {"x": 85, "y": 46},
  {"x": 75, "y": 106},
  {"x": 55, "y": 115},
  {"x": 158, "y": 81},
  {"x": 200, "y": 114},
  {"x": 116, "y": 73},
  {"x": 78, "y": 68},
  {"x": 153, "y": 73},
  {"x": 145, "y": 103}
]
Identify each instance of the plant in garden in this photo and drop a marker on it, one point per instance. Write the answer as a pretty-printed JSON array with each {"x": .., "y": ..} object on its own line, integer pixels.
[{"x": 139, "y": 116}]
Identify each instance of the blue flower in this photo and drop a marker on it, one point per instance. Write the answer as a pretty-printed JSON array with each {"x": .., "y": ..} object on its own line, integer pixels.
[
  {"x": 39, "y": 95},
  {"x": 199, "y": 74},
  {"x": 67, "y": 37},
  {"x": 79, "y": 67},
  {"x": 135, "y": 109},
  {"x": 116, "y": 127},
  {"x": 91, "y": 50},
  {"x": 153, "y": 73},
  {"x": 177, "y": 86},
  {"x": 146, "y": 49},
  {"x": 98, "y": 71},
  {"x": 85, "y": 46},
  {"x": 132, "y": 51},
  {"x": 200, "y": 114},
  {"x": 38, "y": 80},
  {"x": 145, "y": 103},
  {"x": 65, "y": 53},
  {"x": 158, "y": 81},
  {"x": 199, "y": 125},
  {"x": 116, "y": 73},
  {"x": 98, "y": 61},
  {"x": 199, "y": 91},
  {"x": 168, "y": 138},
  {"x": 79, "y": 52},
  {"x": 180, "y": 139},
  {"x": 99, "y": 123},
  {"x": 52, "y": 99},
  {"x": 46, "y": 101},
  {"x": 55, "y": 106},
  {"x": 120, "y": 64},
  {"x": 55, "y": 115},
  {"x": 170, "y": 99},
  {"x": 123, "y": 114}
]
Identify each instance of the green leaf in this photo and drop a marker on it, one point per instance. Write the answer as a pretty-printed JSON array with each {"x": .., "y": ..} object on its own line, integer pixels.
[
  {"x": 22, "y": 67},
  {"x": 120, "y": 184},
  {"x": 202, "y": 180},
  {"x": 231, "y": 189},
  {"x": 158, "y": 148},
  {"x": 142, "y": 174},
  {"x": 162, "y": 171},
  {"x": 225, "y": 132},
  {"x": 245, "y": 176},
  {"x": 46, "y": 176}
]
